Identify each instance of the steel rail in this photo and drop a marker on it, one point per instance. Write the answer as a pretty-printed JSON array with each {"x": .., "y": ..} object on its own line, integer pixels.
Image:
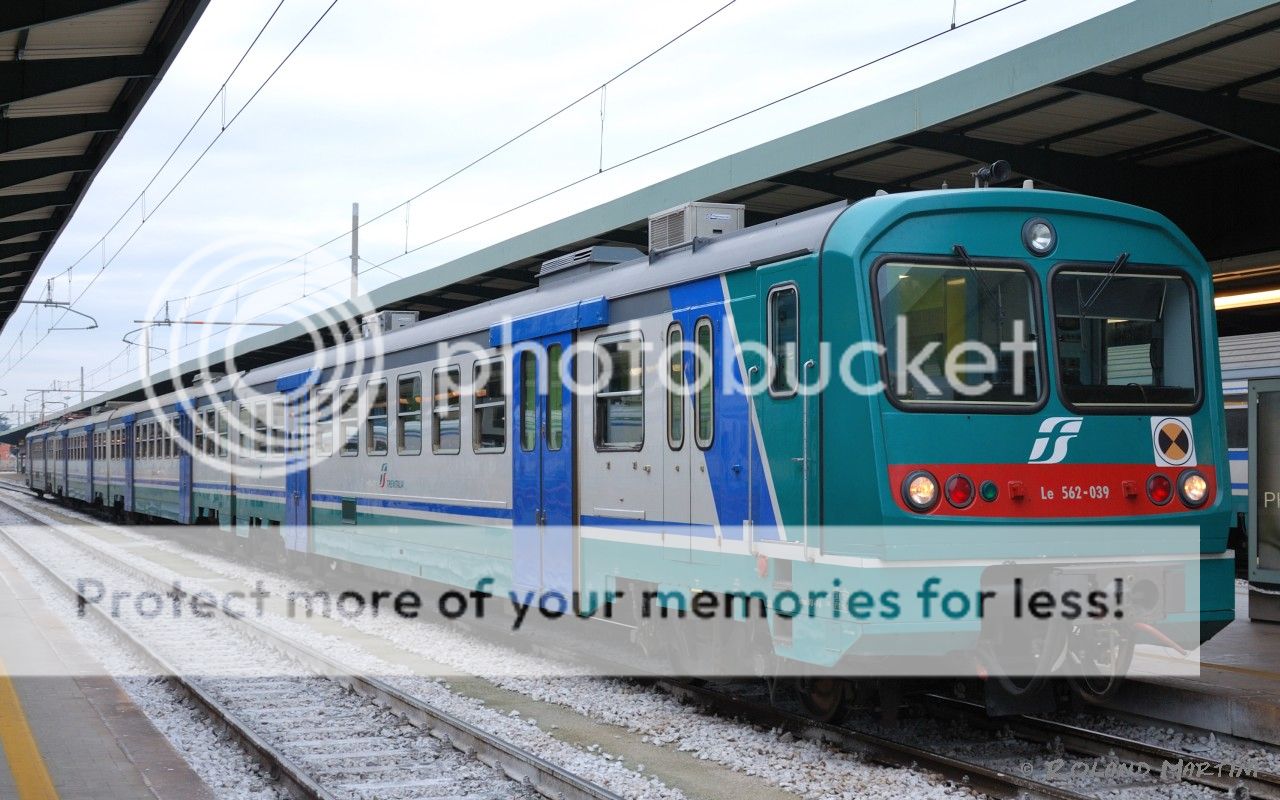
[
  {"x": 548, "y": 779},
  {"x": 874, "y": 748},
  {"x": 1192, "y": 768}
]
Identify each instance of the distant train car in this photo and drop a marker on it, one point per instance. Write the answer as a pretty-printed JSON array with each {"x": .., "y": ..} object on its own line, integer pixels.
[
  {"x": 1243, "y": 358},
  {"x": 464, "y": 453}
]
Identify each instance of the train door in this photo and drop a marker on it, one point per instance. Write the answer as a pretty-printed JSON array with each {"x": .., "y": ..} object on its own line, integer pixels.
[
  {"x": 90, "y": 443},
  {"x": 64, "y": 463},
  {"x": 678, "y": 460},
  {"x": 46, "y": 477},
  {"x": 130, "y": 428},
  {"x": 297, "y": 476},
  {"x": 185, "y": 442},
  {"x": 789, "y": 413},
  {"x": 543, "y": 484}
]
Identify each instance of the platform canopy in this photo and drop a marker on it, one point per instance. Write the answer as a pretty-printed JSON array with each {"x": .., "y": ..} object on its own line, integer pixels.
[
  {"x": 73, "y": 75},
  {"x": 1170, "y": 104}
]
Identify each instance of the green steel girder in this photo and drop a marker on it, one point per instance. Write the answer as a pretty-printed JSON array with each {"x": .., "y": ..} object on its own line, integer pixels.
[
  {"x": 18, "y": 14},
  {"x": 1250, "y": 120},
  {"x": 20, "y": 80}
]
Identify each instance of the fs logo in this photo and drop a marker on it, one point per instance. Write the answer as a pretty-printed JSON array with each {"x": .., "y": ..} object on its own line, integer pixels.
[
  {"x": 382, "y": 476},
  {"x": 1058, "y": 432}
]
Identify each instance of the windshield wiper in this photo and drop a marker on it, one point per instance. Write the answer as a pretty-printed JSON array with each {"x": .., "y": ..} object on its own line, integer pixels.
[
  {"x": 963, "y": 255},
  {"x": 1106, "y": 279}
]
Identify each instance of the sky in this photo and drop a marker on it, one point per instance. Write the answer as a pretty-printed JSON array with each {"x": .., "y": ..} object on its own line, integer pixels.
[{"x": 384, "y": 98}]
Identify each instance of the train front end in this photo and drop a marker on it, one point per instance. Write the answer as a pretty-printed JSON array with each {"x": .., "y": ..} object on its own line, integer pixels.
[{"x": 1046, "y": 483}]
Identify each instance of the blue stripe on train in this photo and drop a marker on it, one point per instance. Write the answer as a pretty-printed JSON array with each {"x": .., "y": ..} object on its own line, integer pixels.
[
  {"x": 416, "y": 505},
  {"x": 691, "y": 302}
]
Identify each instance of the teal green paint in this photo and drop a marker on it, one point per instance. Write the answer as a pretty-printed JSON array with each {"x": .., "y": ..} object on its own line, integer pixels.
[{"x": 448, "y": 553}]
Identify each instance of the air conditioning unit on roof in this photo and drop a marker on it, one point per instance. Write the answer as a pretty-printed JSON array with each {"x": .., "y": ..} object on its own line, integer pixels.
[
  {"x": 386, "y": 321},
  {"x": 683, "y": 224}
]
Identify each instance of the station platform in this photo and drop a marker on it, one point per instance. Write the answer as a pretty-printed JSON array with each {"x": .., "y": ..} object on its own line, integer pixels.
[
  {"x": 1237, "y": 691},
  {"x": 67, "y": 731}
]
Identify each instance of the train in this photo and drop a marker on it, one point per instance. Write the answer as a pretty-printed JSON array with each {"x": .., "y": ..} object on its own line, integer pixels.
[
  {"x": 1243, "y": 358},
  {"x": 795, "y": 405}
]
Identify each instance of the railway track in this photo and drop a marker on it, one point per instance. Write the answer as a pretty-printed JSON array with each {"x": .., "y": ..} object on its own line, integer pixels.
[
  {"x": 324, "y": 731},
  {"x": 1197, "y": 769},
  {"x": 979, "y": 777},
  {"x": 975, "y": 773}
]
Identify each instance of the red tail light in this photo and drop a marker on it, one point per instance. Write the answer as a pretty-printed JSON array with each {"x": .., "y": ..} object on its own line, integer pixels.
[
  {"x": 1159, "y": 489},
  {"x": 959, "y": 491}
]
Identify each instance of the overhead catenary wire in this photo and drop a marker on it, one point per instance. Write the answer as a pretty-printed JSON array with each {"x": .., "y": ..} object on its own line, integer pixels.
[
  {"x": 488, "y": 154},
  {"x": 603, "y": 169}
]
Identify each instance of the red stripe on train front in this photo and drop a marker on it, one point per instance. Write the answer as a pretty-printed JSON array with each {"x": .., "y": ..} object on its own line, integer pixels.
[{"x": 1052, "y": 490}]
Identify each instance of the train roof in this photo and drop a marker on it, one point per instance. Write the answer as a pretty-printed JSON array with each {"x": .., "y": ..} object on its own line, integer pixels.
[{"x": 1256, "y": 355}]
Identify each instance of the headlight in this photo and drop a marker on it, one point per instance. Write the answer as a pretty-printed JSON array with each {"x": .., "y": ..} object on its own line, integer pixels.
[
  {"x": 1193, "y": 487},
  {"x": 1039, "y": 237},
  {"x": 920, "y": 490}
]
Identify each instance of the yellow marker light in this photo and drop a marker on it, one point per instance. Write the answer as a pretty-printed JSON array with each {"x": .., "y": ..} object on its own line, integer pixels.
[
  {"x": 920, "y": 490},
  {"x": 1193, "y": 487}
]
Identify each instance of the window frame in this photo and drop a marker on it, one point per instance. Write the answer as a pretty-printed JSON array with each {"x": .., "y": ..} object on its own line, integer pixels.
[
  {"x": 675, "y": 398},
  {"x": 436, "y": 417},
  {"x": 323, "y": 405},
  {"x": 602, "y": 340},
  {"x": 401, "y": 450},
  {"x": 528, "y": 441},
  {"x": 278, "y": 436},
  {"x": 476, "y": 405},
  {"x": 555, "y": 388},
  {"x": 261, "y": 428},
  {"x": 349, "y": 399},
  {"x": 710, "y": 388},
  {"x": 370, "y": 392},
  {"x": 771, "y": 330},
  {"x": 1194, "y": 300},
  {"x": 964, "y": 406}
]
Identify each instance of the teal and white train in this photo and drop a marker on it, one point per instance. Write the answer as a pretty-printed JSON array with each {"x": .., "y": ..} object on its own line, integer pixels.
[{"x": 1104, "y": 413}]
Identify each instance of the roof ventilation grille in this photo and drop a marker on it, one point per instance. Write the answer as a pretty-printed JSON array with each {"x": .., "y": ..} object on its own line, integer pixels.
[
  {"x": 681, "y": 225},
  {"x": 587, "y": 256}
]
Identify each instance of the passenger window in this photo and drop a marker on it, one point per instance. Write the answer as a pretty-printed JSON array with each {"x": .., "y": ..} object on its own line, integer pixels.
[
  {"x": 528, "y": 400},
  {"x": 555, "y": 397},
  {"x": 704, "y": 424},
  {"x": 199, "y": 433},
  {"x": 210, "y": 432},
  {"x": 489, "y": 408},
  {"x": 350, "y": 421},
  {"x": 675, "y": 387},
  {"x": 619, "y": 393},
  {"x": 1237, "y": 427},
  {"x": 279, "y": 442},
  {"x": 260, "y": 428},
  {"x": 223, "y": 432},
  {"x": 446, "y": 411},
  {"x": 322, "y": 424},
  {"x": 246, "y": 431},
  {"x": 376, "y": 423},
  {"x": 409, "y": 411},
  {"x": 784, "y": 341}
]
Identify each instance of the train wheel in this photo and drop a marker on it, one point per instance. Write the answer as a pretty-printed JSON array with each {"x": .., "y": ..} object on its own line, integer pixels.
[
  {"x": 1100, "y": 660},
  {"x": 824, "y": 699}
]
